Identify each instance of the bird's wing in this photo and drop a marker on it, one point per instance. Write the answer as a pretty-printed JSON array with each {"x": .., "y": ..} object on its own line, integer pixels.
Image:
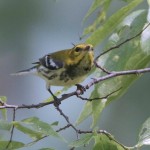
[{"x": 51, "y": 63}]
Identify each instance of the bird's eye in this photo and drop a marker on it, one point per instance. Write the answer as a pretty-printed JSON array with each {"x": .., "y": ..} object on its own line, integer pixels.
[{"x": 77, "y": 49}]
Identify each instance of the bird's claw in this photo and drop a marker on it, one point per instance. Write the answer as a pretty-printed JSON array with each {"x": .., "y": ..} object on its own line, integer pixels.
[{"x": 81, "y": 88}]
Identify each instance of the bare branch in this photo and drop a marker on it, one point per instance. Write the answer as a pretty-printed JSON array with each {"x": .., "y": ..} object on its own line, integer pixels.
[
  {"x": 98, "y": 98},
  {"x": 63, "y": 128},
  {"x": 115, "y": 74},
  {"x": 78, "y": 92},
  {"x": 67, "y": 119},
  {"x": 12, "y": 130}
]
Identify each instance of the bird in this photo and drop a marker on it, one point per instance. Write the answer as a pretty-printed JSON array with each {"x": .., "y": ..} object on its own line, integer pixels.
[{"x": 63, "y": 68}]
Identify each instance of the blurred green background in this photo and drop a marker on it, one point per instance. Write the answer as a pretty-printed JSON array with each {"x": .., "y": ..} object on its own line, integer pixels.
[{"x": 30, "y": 29}]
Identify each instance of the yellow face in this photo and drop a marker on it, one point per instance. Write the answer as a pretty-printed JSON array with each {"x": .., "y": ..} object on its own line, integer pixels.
[{"x": 79, "y": 51}]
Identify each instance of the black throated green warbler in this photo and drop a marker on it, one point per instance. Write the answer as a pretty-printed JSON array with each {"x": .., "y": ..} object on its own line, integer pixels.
[{"x": 64, "y": 68}]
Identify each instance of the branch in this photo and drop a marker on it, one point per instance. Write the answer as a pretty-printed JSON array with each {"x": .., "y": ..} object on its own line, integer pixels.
[
  {"x": 107, "y": 134},
  {"x": 12, "y": 130},
  {"x": 127, "y": 40},
  {"x": 63, "y": 128},
  {"x": 121, "y": 73},
  {"x": 98, "y": 98},
  {"x": 67, "y": 119},
  {"x": 78, "y": 92}
]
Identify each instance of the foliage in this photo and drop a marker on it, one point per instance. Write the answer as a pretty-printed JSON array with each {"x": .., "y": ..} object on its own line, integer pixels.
[{"x": 134, "y": 54}]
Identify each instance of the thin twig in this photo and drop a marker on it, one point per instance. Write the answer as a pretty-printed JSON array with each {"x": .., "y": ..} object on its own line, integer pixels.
[
  {"x": 67, "y": 119},
  {"x": 37, "y": 140},
  {"x": 63, "y": 128},
  {"x": 98, "y": 98},
  {"x": 107, "y": 134},
  {"x": 12, "y": 130},
  {"x": 100, "y": 67}
]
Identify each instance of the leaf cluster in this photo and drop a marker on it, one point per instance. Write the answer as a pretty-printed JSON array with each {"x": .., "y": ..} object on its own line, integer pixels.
[{"x": 135, "y": 54}]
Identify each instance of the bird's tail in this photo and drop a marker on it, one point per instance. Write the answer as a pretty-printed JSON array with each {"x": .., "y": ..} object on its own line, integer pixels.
[{"x": 32, "y": 70}]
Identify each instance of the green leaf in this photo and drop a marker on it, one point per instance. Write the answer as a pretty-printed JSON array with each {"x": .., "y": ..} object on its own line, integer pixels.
[
  {"x": 87, "y": 111},
  {"x": 3, "y": 99},
  {"x": 144, "y": 135},
  {"x": 102, "y": 32},
  {"x": 97, "y": 106},
  {"x": 4, "y": 125},
  {"x": 46, "y": 149},
  {"x": 129, "y": 56},
  {"x": 148, "y": 1},
  {"x": 95, "y": 5},
  {"x": 130, "y": 18},
  {"x": 145, "y": 39},
  {"x": 104, "y": 143},
  {"x": 26, "y": 130},
  {"x": 91, "y": 28},
  {"x": 3, "y": 111},
  {"x": 55, "y": 123},
  {"x": 13, "y": 145},
  {"x": 42, "y": 127},
  {"x": 101, "y": 16},
  {"x": 82, "y": 141},
  {"x": 148, "y": 16}
]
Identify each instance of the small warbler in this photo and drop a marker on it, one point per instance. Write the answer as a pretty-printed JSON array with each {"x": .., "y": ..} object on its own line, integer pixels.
[{"x": 64, "y": 68}]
